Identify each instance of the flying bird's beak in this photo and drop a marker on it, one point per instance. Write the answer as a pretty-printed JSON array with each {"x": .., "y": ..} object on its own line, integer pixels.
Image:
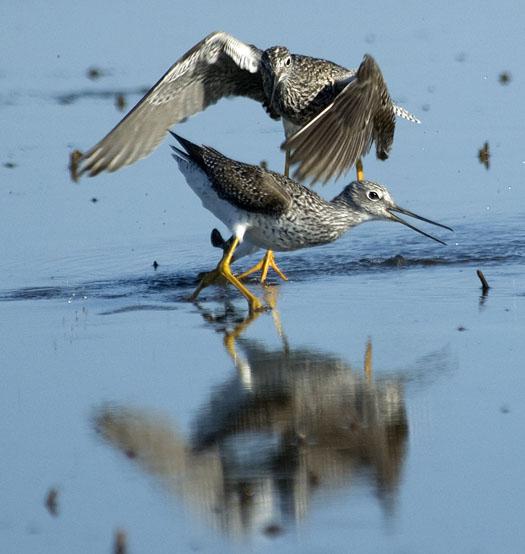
[
  {"x": 276, "y": 80},
  {"x": 394, "y": 217}
]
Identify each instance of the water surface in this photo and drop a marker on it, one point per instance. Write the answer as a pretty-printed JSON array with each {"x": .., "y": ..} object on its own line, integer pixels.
[{"x": 378, "y": 406}]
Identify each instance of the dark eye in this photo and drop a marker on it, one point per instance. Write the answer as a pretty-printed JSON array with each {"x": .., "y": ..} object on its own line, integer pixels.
[
  {"x": 373, "y": 195},
  {"x": 288, "y": 61}
]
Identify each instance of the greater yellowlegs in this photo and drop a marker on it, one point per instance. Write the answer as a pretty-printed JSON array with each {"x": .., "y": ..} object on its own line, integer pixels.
[
  {"x": 331, "y": 114},
  {"x": 271, "y": 211}
]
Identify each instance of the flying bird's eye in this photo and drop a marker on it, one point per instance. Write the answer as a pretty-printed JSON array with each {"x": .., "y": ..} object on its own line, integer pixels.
[
  {"x": 288, "y": 61},
  {"x": 373, "y": 195}
]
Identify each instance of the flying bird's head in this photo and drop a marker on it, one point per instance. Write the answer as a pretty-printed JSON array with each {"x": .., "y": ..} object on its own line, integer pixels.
[{"x": 276, "y": 65}]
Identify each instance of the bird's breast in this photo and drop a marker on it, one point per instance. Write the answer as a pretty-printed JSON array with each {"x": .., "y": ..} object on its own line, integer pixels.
[
  {"x": 293, "y": 230},
  {"x": 299, "y": 102}
]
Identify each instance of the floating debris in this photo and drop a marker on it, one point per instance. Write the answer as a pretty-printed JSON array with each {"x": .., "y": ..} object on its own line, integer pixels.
[
  {"x": 130, "y": 454},
  {"x": 121, "y": 540},
  {"x": 74, "y": 158},
  {"x": 461, "y": 328},
  {"x": 120, "y": 102},
  {"x": 9, "y": 165},
  {"x": 504, "y": 409},
  {"x": 460, "y": 57},
  {"x": 52, "y": 501},
  {"x": 484, "y": 155},
  {"x": 484, "y": 284},
  {"x": 95, "y": 73},
  {"x": 155, "y": 265},
  {"x": 71, "y": 97},
  {"x": 273, "y": 530},
  {"x": 425, "y": 107},
  {"x": 505, "y": 78},
  {"x": 94, "y": 200}
]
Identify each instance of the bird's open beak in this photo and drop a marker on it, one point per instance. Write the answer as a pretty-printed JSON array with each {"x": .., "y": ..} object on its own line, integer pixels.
[{"x": 412, "y": 214}]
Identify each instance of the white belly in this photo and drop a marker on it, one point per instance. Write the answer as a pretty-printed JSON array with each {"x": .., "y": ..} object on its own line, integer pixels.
[{"x": 221, "y": 209}]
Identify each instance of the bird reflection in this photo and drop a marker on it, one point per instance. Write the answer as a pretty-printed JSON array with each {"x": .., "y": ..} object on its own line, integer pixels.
[{"x": 289, "y": 423}]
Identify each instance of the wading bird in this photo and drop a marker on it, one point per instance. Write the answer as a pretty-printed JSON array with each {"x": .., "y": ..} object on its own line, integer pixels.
[{"x": 274, "y": 212}]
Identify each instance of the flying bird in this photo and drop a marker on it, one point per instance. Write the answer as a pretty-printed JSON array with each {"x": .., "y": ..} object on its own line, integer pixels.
[{"x": 331, "y": 115}]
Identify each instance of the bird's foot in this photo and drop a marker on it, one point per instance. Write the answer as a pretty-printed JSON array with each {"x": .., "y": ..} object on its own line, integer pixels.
[
  {"x": 263, "y": 266},
  {"x": 207, "y": 278},
  {"x": 223, "y": 271},
  {"x": 211, "y": 278},
  {"x": 74, "y": 159}
]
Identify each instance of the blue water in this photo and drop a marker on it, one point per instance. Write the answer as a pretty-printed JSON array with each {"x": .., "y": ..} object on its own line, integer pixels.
[{"x": 191, "y": 428}]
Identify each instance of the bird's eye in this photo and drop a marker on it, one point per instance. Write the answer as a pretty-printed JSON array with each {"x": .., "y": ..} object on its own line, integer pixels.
[
  {"x": 288, "y": 61},
  {"x": 373, "y": 195}
]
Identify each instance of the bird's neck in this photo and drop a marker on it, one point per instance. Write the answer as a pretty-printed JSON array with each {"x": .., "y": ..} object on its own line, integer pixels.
[{"x": 348, "y": 214}]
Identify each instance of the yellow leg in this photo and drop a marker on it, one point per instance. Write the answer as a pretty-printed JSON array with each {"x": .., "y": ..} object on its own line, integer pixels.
[
  {"x": 359, "y": 170},
  {"x": 231, "y": 337},
  {"x": 223, "y": 270},
  {"x": 263, "y": 266},
  {"x": 269, "y": 259},
  {"x": 270, "y": 297}
]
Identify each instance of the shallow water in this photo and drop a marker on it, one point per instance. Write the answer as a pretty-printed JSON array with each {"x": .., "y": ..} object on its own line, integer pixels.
[{"x": 377, "y": 407}]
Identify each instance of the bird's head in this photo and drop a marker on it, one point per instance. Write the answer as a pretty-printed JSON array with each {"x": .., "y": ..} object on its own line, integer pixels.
[
  {"x": 371, "y": 200},
  {"x": 276, "y": 65}
]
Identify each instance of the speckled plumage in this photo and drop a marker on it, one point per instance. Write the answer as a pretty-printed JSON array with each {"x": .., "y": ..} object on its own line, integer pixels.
[
  {"x": 339, "y": 111},
  {"x": 309, "y": 85},
  {"x": 272, "y": 211},
  {"x": 336, "y": 113}
]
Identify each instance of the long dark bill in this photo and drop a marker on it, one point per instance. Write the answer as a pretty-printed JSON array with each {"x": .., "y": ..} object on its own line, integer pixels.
[{"x": 415, "y": 216}]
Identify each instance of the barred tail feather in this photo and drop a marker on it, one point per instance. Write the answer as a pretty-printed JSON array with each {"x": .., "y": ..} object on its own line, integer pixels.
[{"x": 405, "y": 114}]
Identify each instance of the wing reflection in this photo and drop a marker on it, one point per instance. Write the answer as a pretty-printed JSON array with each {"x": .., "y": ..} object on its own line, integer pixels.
[{"x": 290, "y": 422}]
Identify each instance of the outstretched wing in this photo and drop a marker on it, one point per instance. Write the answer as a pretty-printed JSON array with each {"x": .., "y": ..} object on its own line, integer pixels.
[
  {"x": 332, "y": 142},
  {"x": 247, "y": 187},
  {"x": 218, "y": 66}
]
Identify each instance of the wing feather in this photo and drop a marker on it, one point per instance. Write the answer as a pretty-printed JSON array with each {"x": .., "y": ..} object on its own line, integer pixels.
[
  {"x": 218, "y": 66},
  {"x": 247, "y": 187},
  {"x": 343, "y": 132}
]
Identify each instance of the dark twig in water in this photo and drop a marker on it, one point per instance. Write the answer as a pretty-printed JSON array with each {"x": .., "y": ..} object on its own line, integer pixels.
[
  {"x": 120, "y": 545},
  {"x": 484, "y": 155},
  {"x": 155, "y": 264},
  {"x": 120, "y": 102},
  {"x": 484, "y": 285},
  {"x": 52, "y": 501},
  {"x": 95, "y": 73}
]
